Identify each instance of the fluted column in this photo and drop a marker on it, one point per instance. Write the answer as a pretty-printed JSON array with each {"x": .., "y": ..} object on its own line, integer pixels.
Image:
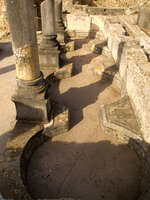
[
  {"x": 60, "y": 29},
  {"x": 29, "y": 98},
  {"x": 48, "y": 52}
]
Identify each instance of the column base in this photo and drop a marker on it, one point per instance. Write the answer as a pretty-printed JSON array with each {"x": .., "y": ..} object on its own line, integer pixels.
[
  {"x": 24, "y": 139},
  {"x": 31, "y": 102},
  {"x": 32, "y": 110},
  {"x": 49, "y": 61}
]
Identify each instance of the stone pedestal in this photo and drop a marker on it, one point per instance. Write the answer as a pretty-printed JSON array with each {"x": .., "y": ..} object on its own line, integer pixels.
[
  {"x": 48, "y": 51},
  {"x": 30, "y": 98},
  {"x": 31, "y": 102},
  {"x": 60, "y": 28}
]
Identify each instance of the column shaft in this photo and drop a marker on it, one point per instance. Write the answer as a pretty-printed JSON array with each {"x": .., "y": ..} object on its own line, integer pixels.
[
  {"x": 48, "y": 51},
  {"x": 48, "y": 17},
  {"x": 29, "y": 99},
  {"x": 60, "y": 29},
  {"x": 22, "y": 27}
]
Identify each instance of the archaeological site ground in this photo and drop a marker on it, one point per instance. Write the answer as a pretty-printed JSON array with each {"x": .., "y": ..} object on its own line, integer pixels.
[{"x": 74, "y": 99}]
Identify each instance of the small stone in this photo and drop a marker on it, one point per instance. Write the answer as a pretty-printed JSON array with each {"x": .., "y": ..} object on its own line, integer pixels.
[
  {"x": 98, "y": 70},
  {"x": 106, "y": 51},
  {"x": 70, "y": 46},
  {"x": 64, "y": 72}
]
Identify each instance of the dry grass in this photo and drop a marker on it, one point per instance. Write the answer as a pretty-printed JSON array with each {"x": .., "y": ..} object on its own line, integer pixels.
[{"x": 118, "y": 3}]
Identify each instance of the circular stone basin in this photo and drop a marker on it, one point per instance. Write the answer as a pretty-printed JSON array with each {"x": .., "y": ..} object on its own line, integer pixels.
[{"x": 88, "y": 171}]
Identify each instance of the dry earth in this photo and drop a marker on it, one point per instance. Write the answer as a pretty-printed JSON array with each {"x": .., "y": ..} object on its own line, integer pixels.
[{"x": 84, "y": 163}]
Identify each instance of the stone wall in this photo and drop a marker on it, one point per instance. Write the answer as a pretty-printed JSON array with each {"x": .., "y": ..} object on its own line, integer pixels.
[
  {"x": 131, "y": 51},
  {"x": 4, "y": 28}
]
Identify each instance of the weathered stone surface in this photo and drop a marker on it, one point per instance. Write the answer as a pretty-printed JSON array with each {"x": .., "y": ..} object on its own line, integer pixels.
[
  {"x": 119, "y": 116},
  {"x": 98, "y": 71},
  {"x": 4, "y": 27},
  {"x": 106, "y": 51},
  {"x": 99, "y": 10},
  {"x": 48, "y": 18},
  {"x": 60, "y": 29},
  {"x": 144, "y": 16},
  {"x": 24, "y": 40},
  {"x": 10, "y": 167},
  {"x": 49, "y": 60},
  {"x": 138, "y": 76},
  {"x": 27, "y": 66},
  {"x": 48, "y": 50},
  {"x": 78, "y": 23},
  {"x": 70, "y": 46},
  {"x": 30, "y": 83},
  {"x": 138, "y": 34},
  {"x": 119, "y": 120},
  {"x": 32, "y": 110},
  {"x": 103, "y": 23},
  {"x": 130, "y": 49},
  {"x": 60, "y": 121},
  {"x": 64, "y": 72},
  {"x": 96, "y": 45},
  {"x": 24, "y": 140}
]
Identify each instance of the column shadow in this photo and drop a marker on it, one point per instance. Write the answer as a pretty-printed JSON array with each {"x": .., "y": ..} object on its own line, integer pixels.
[
  {"x": 87, "y": 170},
  {"x": 76, "y": 99},
  {"x": 80, "y": 60},
  {"x": 7, "y": 69},
  {"x": 5, "y": 50}
]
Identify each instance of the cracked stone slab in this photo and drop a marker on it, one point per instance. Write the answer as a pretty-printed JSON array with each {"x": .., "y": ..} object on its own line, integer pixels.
[{"x": 120, "y": 119}]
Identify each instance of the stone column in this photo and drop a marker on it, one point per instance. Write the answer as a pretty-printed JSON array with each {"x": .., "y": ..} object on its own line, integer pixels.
[
  {"x": 60, "y": 29},
  {"x": 48, "y": 51},
  {"x": 29, "y": 99}
]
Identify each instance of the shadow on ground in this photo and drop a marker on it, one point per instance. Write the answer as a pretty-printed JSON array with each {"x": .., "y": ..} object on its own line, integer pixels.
[
  {"x": 5, "y": 50},
  {"x": 76, "y": 99},
  {"x": 7, "y": 69},
  {"x": 80, "y": 60},
  {"x": 86, "y": 171}
]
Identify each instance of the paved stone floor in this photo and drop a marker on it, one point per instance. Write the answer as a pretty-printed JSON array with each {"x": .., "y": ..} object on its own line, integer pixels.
[{"x": 84, "y": 163}]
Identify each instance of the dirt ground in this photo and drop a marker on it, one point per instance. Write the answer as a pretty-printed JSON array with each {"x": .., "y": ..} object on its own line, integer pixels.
[
  {"x": 84, "y": 163},
  {"x": 7, "y": 86}
]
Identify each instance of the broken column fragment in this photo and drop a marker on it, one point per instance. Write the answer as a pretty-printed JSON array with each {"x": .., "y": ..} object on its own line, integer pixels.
[
  {"x": 48, "y": 51},
  {"x": 60, "y": 28},
  {"x": 30, "y": 96}
]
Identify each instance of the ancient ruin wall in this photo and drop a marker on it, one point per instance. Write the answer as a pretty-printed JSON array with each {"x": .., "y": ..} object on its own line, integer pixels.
[{"x": 4, "y": 28}]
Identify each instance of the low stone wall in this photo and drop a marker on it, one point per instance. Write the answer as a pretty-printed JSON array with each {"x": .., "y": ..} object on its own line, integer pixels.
[
  {"x": 100, "y": 10},
  {"x": 130, "y": 50},
  {"x": 134, "y": 68}
]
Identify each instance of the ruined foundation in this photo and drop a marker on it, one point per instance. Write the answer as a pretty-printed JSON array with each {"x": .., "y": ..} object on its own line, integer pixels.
[{"x": 126, "y": 119}]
